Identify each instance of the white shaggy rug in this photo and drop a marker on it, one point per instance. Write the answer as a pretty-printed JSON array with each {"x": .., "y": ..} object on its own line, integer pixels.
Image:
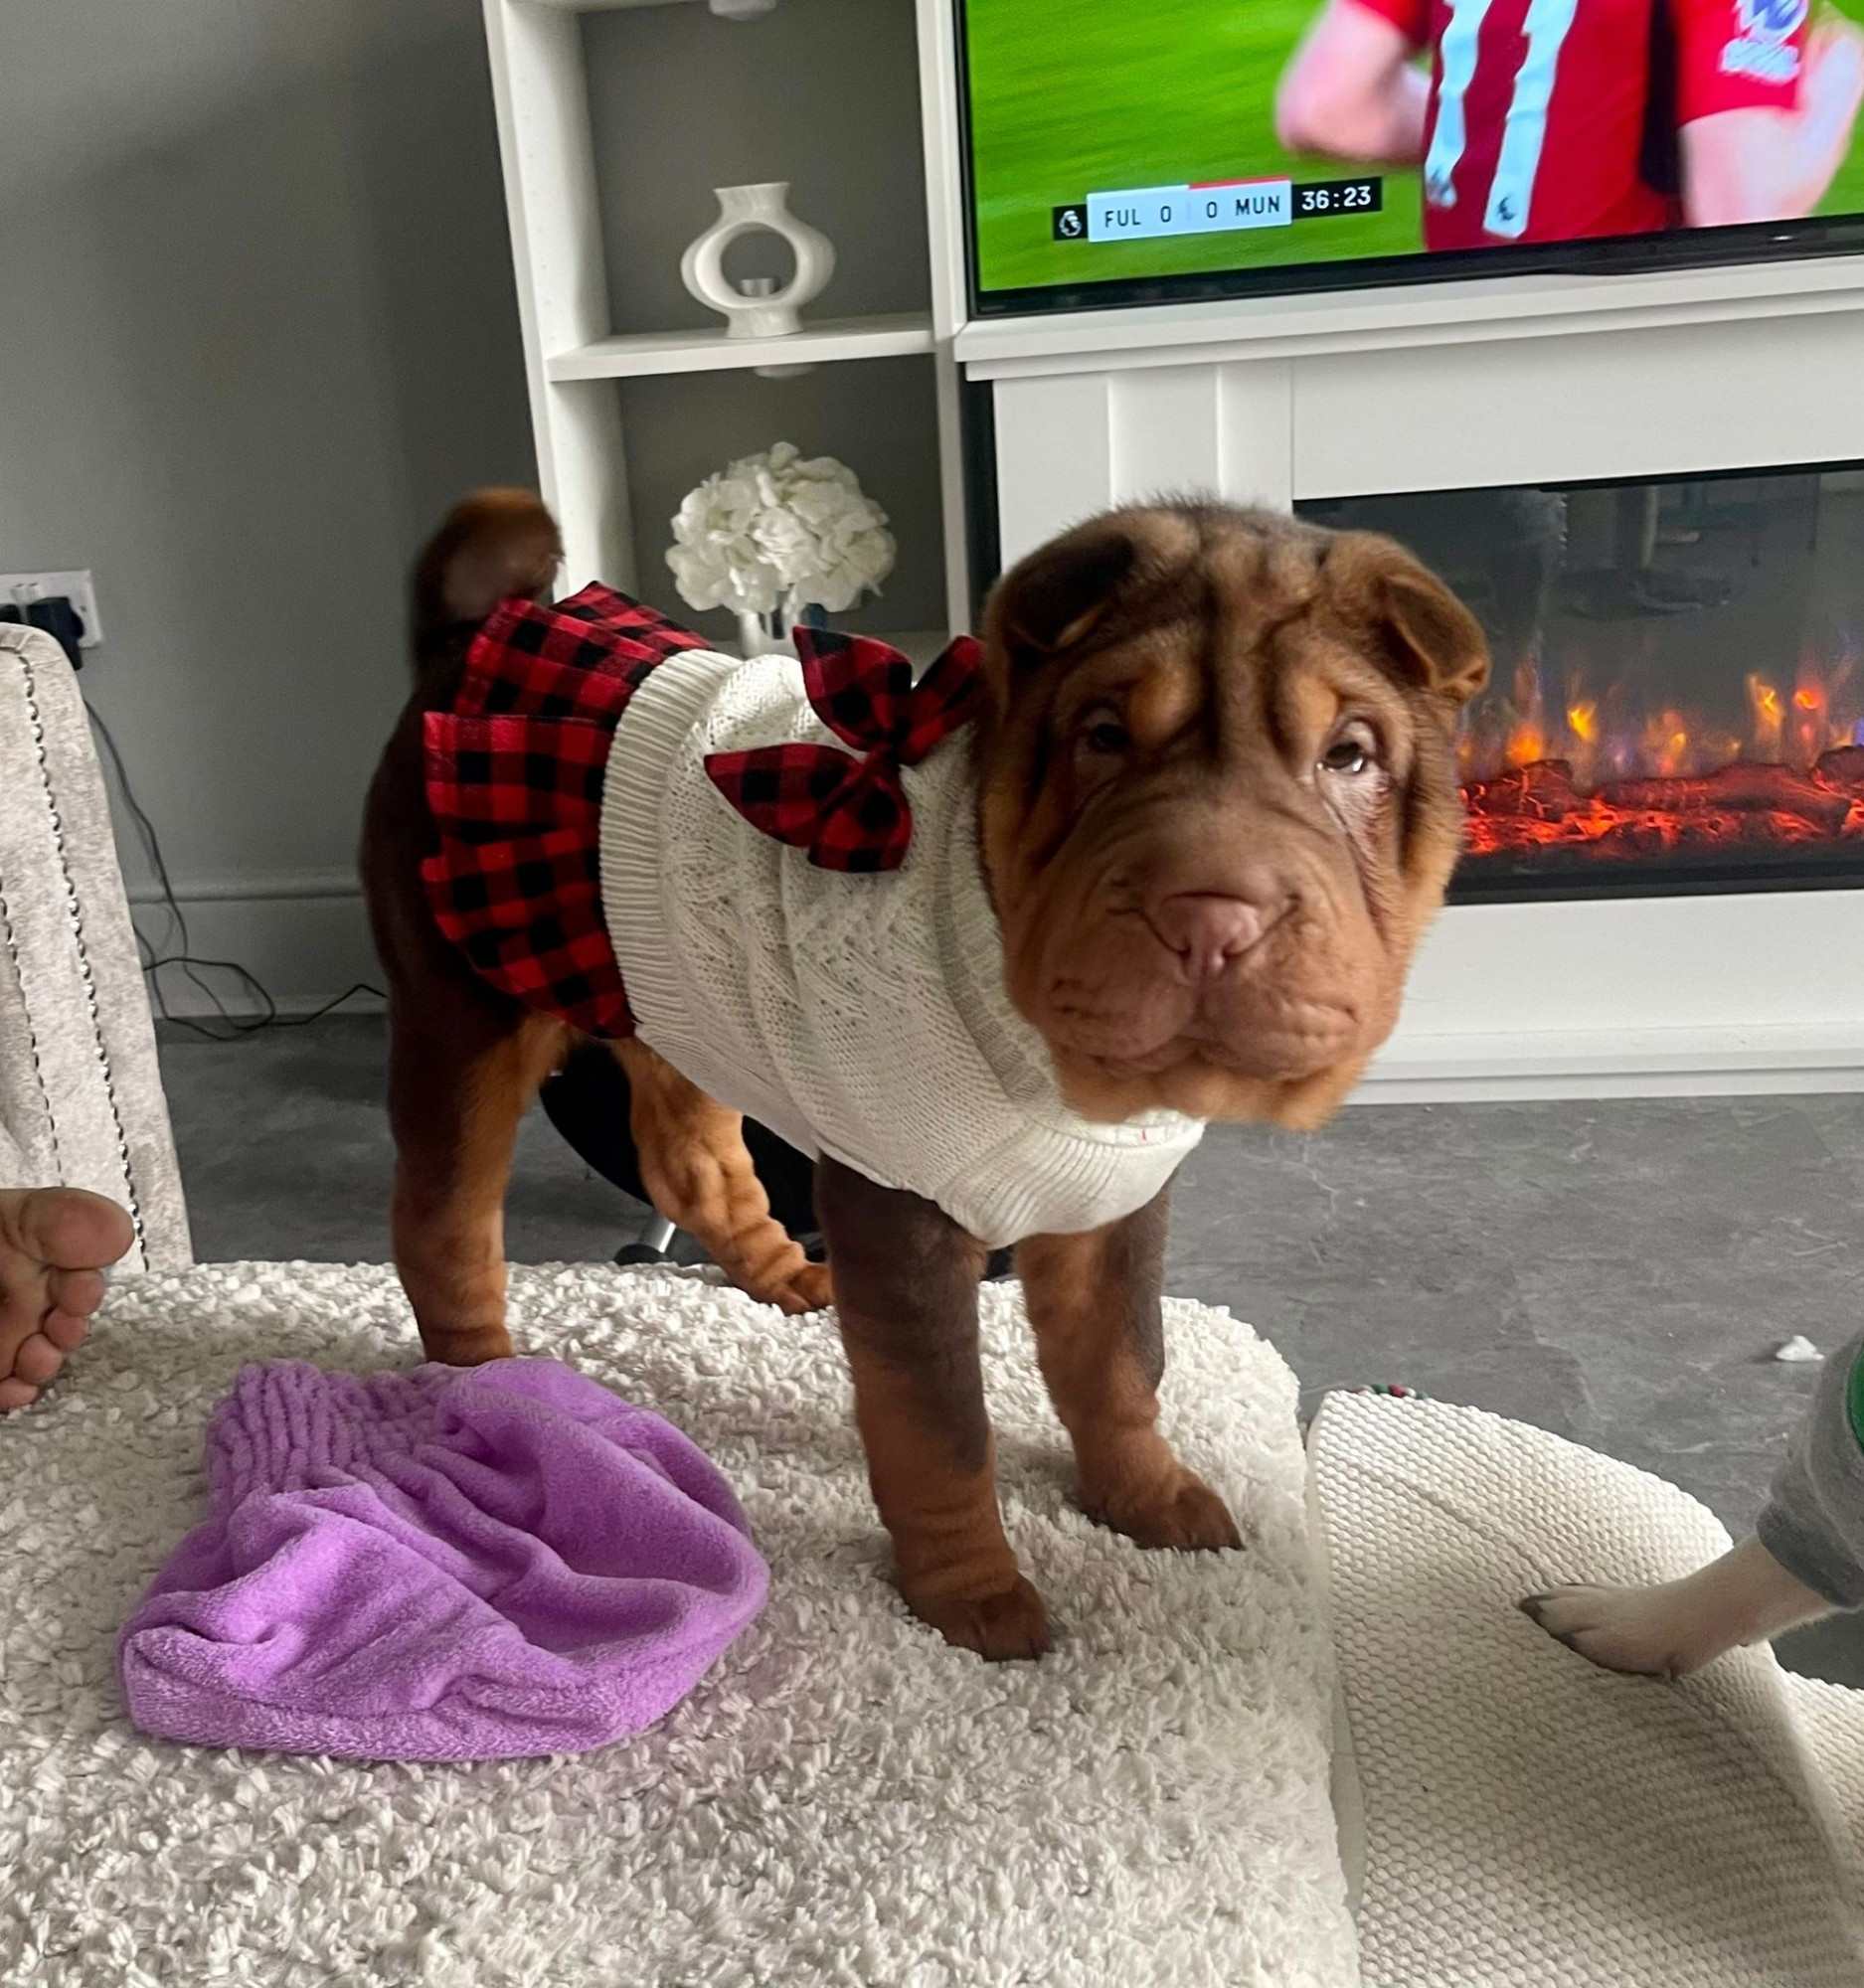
[
  {"x": 844, "y": 1800},
  {"x": 1530, "y": 1819}
]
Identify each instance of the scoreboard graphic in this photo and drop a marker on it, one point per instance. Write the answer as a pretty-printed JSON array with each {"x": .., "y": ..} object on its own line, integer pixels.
[{"x": 1213, "y": 207}]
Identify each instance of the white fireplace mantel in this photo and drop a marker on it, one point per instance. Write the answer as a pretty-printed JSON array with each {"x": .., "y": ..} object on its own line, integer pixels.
[
  {"x": 1461, "y": 313},
  {"x": 1458, "y": 385}
]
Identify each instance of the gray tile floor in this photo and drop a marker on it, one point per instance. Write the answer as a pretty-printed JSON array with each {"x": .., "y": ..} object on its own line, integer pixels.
[{"x": 1617, "y": 1272}]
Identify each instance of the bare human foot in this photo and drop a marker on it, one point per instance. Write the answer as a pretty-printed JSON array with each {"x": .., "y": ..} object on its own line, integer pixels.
[{"x": 54, "y": 1244}]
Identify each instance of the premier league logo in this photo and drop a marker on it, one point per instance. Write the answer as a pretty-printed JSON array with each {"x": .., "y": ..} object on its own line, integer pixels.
[{"x": 1763, "y": 45}]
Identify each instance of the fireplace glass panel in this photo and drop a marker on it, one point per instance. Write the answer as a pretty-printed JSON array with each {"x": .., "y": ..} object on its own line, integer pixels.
[{"x": 1677, "y": 699}]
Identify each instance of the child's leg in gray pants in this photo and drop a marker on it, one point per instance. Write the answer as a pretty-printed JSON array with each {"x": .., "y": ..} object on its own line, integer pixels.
[{"x": 1813, "y": 1524}]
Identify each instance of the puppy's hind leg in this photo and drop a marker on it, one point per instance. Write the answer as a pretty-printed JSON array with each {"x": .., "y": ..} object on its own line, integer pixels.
[
  {"x": 1676, "y": 1629},
  {"x": 463, "y": 1066},
  {"x": 699, "y": 1171}
]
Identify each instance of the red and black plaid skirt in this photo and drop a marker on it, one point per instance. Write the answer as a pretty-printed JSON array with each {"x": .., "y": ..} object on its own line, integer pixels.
[{"x": 514, "y": 779}]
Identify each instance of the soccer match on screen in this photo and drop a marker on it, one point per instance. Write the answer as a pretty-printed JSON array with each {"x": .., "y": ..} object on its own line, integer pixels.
[{"x": 1195, "y": 138}]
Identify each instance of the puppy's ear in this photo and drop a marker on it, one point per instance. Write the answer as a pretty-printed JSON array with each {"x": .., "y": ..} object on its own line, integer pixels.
[
  {"x": 1421, "y": 631},
  {"x": 1054, "y": 600},
  {"x": 1434, "y": 638}
]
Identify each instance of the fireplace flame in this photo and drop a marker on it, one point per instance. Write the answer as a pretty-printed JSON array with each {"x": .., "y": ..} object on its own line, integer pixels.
[
  {"x": 1770, "y": 717},
  {"x": 1593, "y": 773},
  {"x": 1599, "y": 738}
]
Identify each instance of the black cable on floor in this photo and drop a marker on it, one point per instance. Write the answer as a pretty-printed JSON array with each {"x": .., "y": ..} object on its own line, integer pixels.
[{"x": 154, "y": 962}]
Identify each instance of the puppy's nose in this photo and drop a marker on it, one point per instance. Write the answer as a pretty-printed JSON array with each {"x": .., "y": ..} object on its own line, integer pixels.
[{"x": 1207, "y": 930}]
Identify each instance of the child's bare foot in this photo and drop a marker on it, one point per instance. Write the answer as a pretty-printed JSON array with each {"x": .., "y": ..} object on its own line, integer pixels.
[{"x": 54, "y": 1243}]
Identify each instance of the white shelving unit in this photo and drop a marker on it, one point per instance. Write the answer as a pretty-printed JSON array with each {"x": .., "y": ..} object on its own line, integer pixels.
[{"x": 574, "y": 355}]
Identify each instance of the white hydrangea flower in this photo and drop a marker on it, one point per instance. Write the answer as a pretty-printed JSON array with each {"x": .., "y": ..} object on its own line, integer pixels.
[{"x": 780, "y": 529}]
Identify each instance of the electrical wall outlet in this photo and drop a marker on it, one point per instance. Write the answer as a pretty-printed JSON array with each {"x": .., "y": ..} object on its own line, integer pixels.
[{"x": 18, "y": 590}]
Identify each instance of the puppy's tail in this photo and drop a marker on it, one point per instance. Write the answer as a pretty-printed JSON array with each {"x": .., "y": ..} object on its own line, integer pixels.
[{"x": 493, "y": 544}]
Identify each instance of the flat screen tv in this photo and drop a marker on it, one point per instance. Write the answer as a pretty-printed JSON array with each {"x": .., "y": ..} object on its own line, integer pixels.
[{"x": 1125, "y": 154}]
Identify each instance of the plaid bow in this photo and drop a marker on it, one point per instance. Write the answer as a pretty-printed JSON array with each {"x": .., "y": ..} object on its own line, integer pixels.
[{"x": 851, "y": 813}]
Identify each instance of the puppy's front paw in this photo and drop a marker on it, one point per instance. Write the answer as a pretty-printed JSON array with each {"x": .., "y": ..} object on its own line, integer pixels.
[
  {"x": 1640, "y": 1630},
  {"x": 1181, "y": 1513},
  {"x": 809, "y": 1288},
  {"x": 1001, "y": 1628}
]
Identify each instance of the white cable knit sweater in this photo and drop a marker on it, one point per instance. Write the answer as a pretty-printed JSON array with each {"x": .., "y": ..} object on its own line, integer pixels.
[{"x": 855, "y": 1015}]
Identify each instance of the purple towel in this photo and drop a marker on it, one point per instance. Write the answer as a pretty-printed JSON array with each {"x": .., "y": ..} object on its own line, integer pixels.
[{"x": 448, "y": 1564}]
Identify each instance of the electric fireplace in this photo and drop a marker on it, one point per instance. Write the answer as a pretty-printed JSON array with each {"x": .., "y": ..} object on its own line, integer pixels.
[
  {"x": 1677, "y": 703},
  {"x": 1648, "y": 489}
]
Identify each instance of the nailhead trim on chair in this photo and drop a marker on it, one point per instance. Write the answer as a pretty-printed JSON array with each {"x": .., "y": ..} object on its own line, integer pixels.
[
  {"x": 35, "y": 727},
  {"x": 32, "y": 1034}
]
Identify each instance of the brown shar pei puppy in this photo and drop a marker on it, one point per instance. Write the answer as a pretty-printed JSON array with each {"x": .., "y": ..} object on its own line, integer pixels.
[{"x": 1213, "y": 800}]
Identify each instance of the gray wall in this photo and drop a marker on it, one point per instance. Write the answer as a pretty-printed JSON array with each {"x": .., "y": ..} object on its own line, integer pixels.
[{"x": 257, "y": 331}]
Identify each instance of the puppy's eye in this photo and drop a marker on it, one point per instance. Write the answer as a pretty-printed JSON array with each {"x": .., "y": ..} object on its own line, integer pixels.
[
  {"x": 1102, "y": 732},
  {"x": 1354, "y": 751}
]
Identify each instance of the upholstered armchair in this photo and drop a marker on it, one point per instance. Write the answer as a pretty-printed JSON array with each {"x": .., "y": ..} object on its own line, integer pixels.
[{"x": 81, "y": 1093}]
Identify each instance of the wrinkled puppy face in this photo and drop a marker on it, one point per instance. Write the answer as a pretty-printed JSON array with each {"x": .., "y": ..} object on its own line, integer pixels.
[{"x": 1219, "y": 802}]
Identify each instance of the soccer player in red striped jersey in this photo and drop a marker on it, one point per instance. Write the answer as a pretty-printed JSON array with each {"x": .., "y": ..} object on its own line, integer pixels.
[{"x": 1558, "y": 120}]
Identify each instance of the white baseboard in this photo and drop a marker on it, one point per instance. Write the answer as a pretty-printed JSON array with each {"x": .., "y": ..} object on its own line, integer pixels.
[
  {"x": 268, "y": 884},
  {"x": 302, "y": 933},
  {"x": 1660, "y": 1063}
]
